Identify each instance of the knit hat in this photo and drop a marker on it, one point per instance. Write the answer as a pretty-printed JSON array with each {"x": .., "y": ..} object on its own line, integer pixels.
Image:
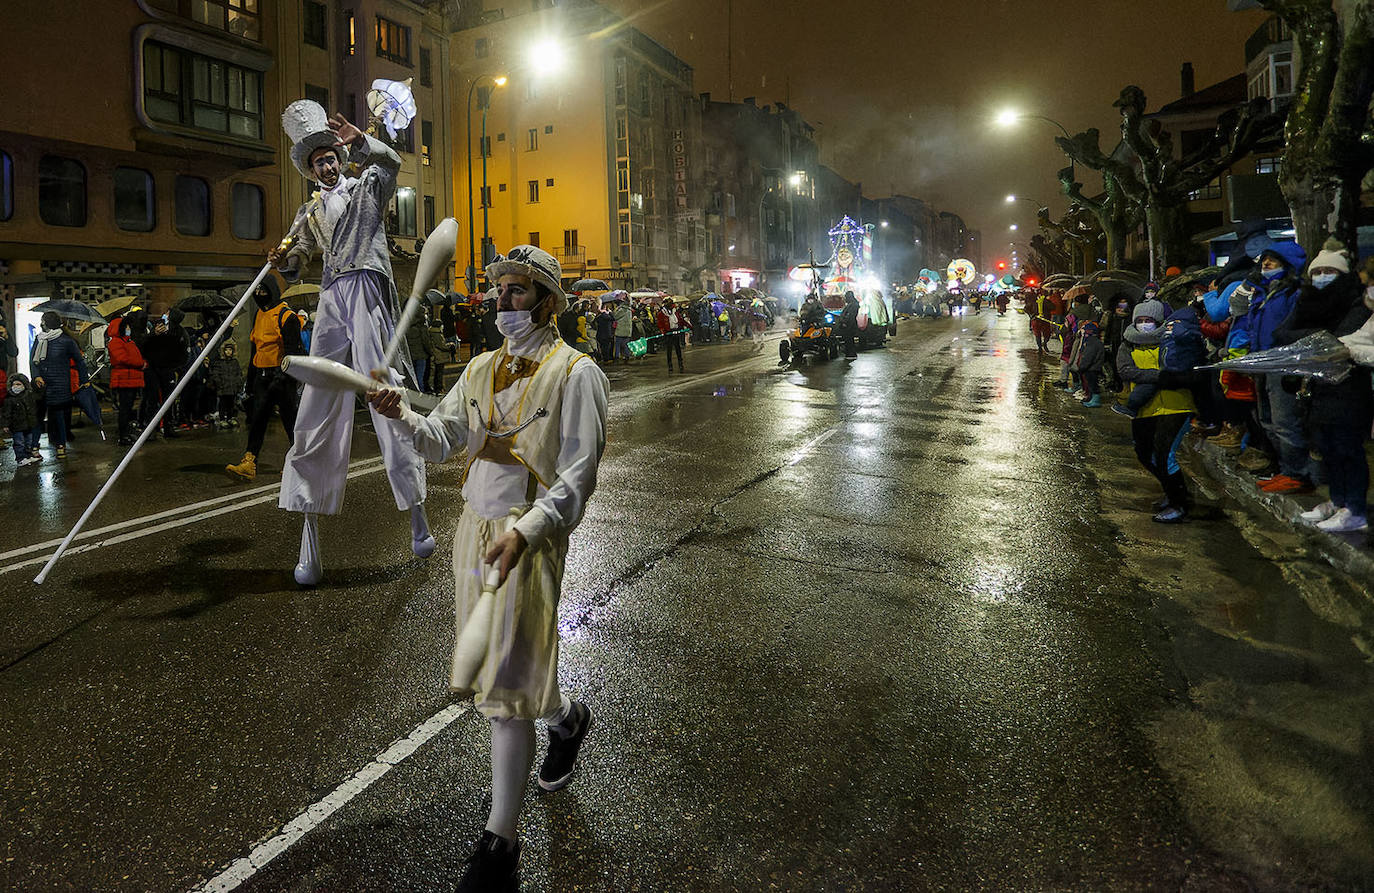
[
  {"x": 1155, "y": 310},
  {"x": 307, "y": 126},
  {"x": 536, "y": 263},
  {"x": 1335, "y": 260}
]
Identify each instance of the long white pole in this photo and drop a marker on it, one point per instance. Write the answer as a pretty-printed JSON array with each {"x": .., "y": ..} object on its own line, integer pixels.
[{"x": 152, "y": 425}]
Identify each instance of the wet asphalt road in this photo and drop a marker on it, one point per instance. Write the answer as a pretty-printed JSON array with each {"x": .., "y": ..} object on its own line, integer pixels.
[{"x": 900, "y": 623}]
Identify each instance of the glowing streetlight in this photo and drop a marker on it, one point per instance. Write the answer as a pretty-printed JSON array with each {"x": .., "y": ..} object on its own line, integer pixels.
[
  {"x": 1013, "y": 227},
  {"x": 884, "y": 223},
  {"x": 548, "y": 56}
]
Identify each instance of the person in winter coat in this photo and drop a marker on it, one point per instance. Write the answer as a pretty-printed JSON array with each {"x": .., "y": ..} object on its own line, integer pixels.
[
  {"x": 8, "y": 351},
  {"x": 225, "y": 378},
  {"x": 126, "y": 369},
  {"x": 670, "y": 325},
  {"x": 1146, "y": 319},
  {"x": 165, "y": 348},
  {"x": 276, "y": 333},
  {"x": 1092, "y": 355},
  {"x": 1157, "y": 430},
  {"x": 1340, "y": 414},
  {"x": 605, "y": 334},
  {"x": 624, "y": 328},
  {"x": 19, "y": 414},
  {"x": 849, "y": 325},
  {"x": 54, "y": 353},
  {"x": 1266, "y": 299}
]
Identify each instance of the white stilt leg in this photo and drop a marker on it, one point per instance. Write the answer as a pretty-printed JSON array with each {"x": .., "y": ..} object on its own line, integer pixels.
[
  {"x": 421, "y": 540},
  {"x": 308, "y": 570}
]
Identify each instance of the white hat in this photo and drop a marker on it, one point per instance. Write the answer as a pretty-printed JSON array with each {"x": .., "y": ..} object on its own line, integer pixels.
[
  {"x": 1335, "y": 260},
  {"x": 536, "y": 263},
  {"x": 307, "y": 126}
]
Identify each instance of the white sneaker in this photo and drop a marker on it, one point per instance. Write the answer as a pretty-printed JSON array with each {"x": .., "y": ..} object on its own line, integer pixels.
[
  {"x": 1080, "y": 394},
  {"x": 1343, "y": 522},
  {"x": 1319, "y": 514}
]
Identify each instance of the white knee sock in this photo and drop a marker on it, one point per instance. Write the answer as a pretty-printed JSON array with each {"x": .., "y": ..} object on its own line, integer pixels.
[{"x": 512, "y": 756}]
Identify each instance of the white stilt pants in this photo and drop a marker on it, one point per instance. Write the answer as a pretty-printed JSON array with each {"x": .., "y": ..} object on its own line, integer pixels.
[{"x": 352, "y": 326}]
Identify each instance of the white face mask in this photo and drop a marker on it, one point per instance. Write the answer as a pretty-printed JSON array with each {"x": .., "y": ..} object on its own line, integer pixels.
[
  {"x": 1322, "y": 280},
  {"x": 1145, "y": 326},
  {"x": 517, "y": 325}
]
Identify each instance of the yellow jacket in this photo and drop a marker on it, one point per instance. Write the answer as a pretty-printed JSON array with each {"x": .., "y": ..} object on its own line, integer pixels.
[{"x": 1166, "y": 401}]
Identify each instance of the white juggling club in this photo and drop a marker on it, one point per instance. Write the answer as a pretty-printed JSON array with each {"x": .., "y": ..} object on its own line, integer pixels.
[
  {"x": 437, "y": 253},
  {"x": 322, "y": 373},
  {"x": 470, "y": 651}
]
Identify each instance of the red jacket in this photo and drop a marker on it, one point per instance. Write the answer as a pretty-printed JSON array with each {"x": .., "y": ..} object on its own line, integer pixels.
[{"x": 126, "y": 363}]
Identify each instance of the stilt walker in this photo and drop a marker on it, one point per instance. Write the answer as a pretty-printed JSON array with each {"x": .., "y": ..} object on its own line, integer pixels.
[
  {"x": 353, "y": 324},
  {"x": 532, "y": 419}
]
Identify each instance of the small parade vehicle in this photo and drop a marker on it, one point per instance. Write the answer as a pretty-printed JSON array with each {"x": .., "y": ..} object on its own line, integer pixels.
[{"x": 813, "y": 335}]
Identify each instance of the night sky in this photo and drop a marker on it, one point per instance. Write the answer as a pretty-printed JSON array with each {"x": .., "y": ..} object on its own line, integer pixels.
[{"x": 902, "y": 92}]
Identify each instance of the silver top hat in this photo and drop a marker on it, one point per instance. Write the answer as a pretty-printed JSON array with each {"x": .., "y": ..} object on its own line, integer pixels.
[{"x": 307, "y": 126}]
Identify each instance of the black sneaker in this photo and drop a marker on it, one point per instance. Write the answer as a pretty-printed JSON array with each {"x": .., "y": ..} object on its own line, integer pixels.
[
  {"x": 493, "y": 866},
  {"x": 562, "y": 756}
]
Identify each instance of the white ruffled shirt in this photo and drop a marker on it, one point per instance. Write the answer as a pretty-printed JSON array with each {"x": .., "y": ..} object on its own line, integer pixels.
[{"x": 493, "y": 489}]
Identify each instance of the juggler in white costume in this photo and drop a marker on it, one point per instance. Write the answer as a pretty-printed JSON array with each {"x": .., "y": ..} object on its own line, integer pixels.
[
  {"x": 354, "y": 323},
  {"x": 536, "y": 481}
]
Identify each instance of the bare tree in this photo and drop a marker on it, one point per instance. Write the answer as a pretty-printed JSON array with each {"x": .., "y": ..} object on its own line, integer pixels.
[
  {"x": 1117, "y": 213},
  {"x": 1329, "y": 146}
]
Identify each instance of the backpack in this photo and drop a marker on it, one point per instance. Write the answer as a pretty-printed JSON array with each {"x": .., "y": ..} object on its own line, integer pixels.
[{"x": 1181, "y": 346}]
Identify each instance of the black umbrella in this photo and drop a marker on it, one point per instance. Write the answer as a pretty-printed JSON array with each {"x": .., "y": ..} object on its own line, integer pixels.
[
  {"x": 71, "y": 310},
  {"x": 202, "y": 301},
  {"x": 589, "y": 285}
]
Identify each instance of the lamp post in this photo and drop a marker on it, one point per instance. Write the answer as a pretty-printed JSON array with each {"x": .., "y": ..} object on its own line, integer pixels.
[
  {"x": 472, "y": 250},
  {"x": 1008, "y": 117}
]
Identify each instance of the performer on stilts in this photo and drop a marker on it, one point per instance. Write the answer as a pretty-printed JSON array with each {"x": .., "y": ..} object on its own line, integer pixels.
[
  {"x": 532, "y": 419},
  {"x": 354, "y": 322}
]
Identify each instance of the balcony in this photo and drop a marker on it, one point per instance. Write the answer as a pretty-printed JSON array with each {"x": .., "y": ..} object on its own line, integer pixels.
[{"x": 572, "y": 257}]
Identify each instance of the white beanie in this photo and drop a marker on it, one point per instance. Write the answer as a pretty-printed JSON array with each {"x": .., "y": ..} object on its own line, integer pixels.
[{"x": 1335, "y": 260}]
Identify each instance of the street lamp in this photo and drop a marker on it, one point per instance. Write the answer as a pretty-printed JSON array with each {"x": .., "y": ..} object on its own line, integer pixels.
[
  {"x": 1013, "y": 227},
  {"x": 1022, "y": 198},
  {"x": 498, "y": 81},
  {"x": 1008, "y": 117}
]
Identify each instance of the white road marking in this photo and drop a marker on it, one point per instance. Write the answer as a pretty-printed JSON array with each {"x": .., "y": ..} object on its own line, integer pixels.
[
  {"x": 243, "y": 868},
  {"x": 169, "y": 513},
  {"x": 141, "y": 532}
]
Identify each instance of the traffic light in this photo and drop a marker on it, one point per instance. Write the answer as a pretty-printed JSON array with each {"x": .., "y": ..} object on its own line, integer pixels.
[
  {"x": 1031, "y": 281},
  {"x": 1001, "y": 265}
]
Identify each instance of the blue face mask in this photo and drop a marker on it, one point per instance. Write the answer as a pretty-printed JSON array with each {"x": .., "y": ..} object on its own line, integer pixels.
[
  {"x": 1271, "y": 275},
  {"x": 1322, "y": 280}
]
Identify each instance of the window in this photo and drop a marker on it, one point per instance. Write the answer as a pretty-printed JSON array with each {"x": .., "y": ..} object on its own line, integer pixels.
[
  {"x": 1211, "y": 191},
  {"x": 549, "y": 181},
  {"x": 426, "y": 69},
  {"x": 570, "y": 240},
  {"x": 405, "y": 211},
  {"x": 426, "y": 139},
  {"x": 501, "y": 188},
  {"x": 500, "y": 137},
  {"x": 625, "y": 235},
  {"x": 1283, "y": 74},
  {"x": 61, "y": 191},
  {"x": 532, "y": 142},
  {"x": 190, "y": 90},
  {"x": 393, "y": 41},
  {"x": 317, "y": 94},
  {"x": 548, "y": 128},
  {"x": 1268, "y": 165},
  {"x": 246, "y": 211},
  {"x": 486, "y": 196},
  {"x": 315, "y": 24},
  {"x": 192, "y": 206},
  {"x": 6, "y": 186},
  {"x": 534, "y": 191},
  {"x": 134, "y": 207},
  {"x": 238, "y": 17},
  {"x": 429, "y": 214},
  {"x": 534, "y": 240},
  {"x": 352, "y": 33},
  {"x": 483, "y": 47}
]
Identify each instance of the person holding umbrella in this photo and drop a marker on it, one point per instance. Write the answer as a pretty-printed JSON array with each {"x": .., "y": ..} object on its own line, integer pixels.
[{"x": 54, "y": 353}]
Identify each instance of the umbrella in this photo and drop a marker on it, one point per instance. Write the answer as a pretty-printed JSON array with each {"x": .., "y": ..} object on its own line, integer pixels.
[
  {"x": 202, "y": 301},
  {"x": 1176, "y": 292},
  {"x": 109, "y": 308},
  {"x": 71, "y": 310},
  {"x": 305, "y": 289},
  {"x": 582, "y": 285},
  {"x": 617, "y": 295},
  {"x": 1059, "y": 280},
  {"x": 1109, "y": 289},
  {"x": 89, "y": 401},
  {"x": 1321, "y": 355}
]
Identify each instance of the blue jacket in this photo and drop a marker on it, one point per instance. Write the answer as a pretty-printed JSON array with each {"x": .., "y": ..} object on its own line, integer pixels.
[
  {"x": 1273, "y": 301},
  {"x": 56, "y": 370}
]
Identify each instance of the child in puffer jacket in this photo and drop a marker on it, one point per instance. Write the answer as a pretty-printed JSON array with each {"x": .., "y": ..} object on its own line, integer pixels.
[
  {"x": 226, "y": 380},
  {"x": 19, "y": 413}
]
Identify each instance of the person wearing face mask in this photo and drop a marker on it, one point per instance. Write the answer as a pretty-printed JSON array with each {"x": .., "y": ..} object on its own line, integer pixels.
[
  {"x": 20, "y": 416},
  {"x": 1272, "y": 291},
  {"x": 1158, "y": 426},
  {"x": 276, "y": 333},
  {"x": 54, "y": 353},
  {"x": 354, "y": 323},
  {"x": 531, "y": 417},
  {"x": 1340, "y": 414}
]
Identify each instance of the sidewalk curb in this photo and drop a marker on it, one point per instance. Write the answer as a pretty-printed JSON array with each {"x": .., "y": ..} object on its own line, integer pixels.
[{"x": 1347, "y": 552}]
